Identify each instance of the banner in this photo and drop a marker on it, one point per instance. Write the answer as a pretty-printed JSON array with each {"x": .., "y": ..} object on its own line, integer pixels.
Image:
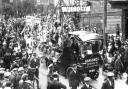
[{"x": 30, "y": 20}]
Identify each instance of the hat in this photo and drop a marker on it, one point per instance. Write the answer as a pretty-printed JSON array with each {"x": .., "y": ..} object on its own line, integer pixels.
[
  {"x": 15, "y": 69},
  {"x": 8, "y": 83},
  {"x": 86, "y": 79},
  {"x": 110, "y": 74},
  {"x": 55, "y": 76},
  {"x": 7, "y": 74},
  {"x": 2, "y": 72},
  {"x": 24, "y": 76},
  {"x": 2, "y": 69},
  {"x": 25, "y": 66},
  {"x": 21, "y": 69}
]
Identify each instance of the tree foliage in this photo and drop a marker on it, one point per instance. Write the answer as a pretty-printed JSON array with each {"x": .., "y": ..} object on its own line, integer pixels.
[
  {"x": 19, "y": 9},
  {"x": 76, "y": 19}
]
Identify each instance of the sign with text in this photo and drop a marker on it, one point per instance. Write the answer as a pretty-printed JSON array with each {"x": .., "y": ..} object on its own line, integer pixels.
[{"x": 76, "y": 9}]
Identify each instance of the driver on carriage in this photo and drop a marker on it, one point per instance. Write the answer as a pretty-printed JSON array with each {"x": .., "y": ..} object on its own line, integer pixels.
[{"x": 75, "y": 47}]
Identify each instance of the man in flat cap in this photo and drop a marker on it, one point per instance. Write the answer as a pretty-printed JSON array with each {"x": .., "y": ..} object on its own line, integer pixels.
[
  {"x": 86, "y": 84},
  {"x": 109, "y": 81}
]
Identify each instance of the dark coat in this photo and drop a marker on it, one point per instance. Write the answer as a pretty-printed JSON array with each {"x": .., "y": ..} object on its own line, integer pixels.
[
  {"x": 106, "y": 84},
  {"x": 73, "y": 79},
  {"x": 56, "y": 85},
  {"x": 85, "y": 87},
  {"x": 34, "y": 63},
  {"x": 7, "y": 61},
  {"x": 68, "y": 56},
  {"x": 126, "y": 55}
]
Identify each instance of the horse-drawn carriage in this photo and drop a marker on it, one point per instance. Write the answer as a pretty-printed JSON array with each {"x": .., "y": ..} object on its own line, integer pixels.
[{"x": 83, "y": 51}]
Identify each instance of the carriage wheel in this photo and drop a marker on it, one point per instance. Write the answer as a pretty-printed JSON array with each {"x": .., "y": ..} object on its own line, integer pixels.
[{"x": 95, "y": 76}]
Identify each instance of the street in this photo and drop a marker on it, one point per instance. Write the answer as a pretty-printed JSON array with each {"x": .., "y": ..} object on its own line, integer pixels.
[{"x": 119, "y": 83}]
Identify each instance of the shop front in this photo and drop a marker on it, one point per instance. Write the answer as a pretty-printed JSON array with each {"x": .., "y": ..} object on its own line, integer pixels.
[{"x": 122, "y": 4}]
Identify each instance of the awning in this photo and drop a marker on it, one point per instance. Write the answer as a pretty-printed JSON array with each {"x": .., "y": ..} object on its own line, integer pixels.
[{"x": 120, "y": 4}]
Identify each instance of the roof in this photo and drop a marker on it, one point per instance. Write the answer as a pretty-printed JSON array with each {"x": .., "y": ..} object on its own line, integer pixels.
[{"x": 86, "y": 35}]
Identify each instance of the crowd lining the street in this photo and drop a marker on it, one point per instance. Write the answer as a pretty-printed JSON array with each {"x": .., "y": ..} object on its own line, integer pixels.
[{"x": 19, "y": 64}]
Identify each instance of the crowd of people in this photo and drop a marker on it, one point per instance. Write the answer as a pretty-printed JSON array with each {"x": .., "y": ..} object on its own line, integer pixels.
[{"x": 19, "y": 62}]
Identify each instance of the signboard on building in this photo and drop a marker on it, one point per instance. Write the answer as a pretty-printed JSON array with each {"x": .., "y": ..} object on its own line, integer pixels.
[{"x": 76, "y": 9}]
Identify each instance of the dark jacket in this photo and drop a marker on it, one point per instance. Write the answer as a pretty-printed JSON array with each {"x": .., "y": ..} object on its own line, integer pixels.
[
  {"x": 85, "y": 87},
  {"x": 126, "y": 55},
  {"x": 34, "y": 62},
  {"x": 106, "y": 84},
  {"x": 73, "y": 79},
  {"x": 56, "y": 85}
]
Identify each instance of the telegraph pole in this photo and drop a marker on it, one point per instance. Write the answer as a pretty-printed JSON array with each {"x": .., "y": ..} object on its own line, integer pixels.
[
  {"x": 105, "y": 22},
  {"x": 1, "y": 7},
  {"x": 61, "y": 15}
]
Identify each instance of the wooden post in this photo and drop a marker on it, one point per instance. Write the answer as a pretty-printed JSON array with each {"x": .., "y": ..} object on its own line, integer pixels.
[
  {"x": 1, "y": 7},
  {"x": 105, "y": 21},
  {"x": 61, "y": 15},
  {"x": 123, "y": 24}
]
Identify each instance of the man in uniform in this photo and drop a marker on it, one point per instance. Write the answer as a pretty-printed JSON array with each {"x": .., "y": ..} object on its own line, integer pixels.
[{"x": 109, "y": 81}]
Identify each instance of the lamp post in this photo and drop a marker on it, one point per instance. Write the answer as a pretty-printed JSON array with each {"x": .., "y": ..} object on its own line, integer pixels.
[
  {"x": 88, "y": 9},
  {"x": 105, "y": 22}
]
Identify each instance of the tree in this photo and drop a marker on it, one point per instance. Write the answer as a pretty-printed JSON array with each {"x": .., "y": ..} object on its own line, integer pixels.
[
  {"x": 76, "y": 19},
  {"x": 8, "y": 10}
]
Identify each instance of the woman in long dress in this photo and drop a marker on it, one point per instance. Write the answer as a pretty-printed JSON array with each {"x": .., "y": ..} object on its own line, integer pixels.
[{"x": 43, "y": 74}]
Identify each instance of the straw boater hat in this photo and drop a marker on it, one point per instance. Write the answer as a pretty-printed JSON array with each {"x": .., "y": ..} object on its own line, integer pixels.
[
  {"x": 7, "y": 74},
  {"x": 21, "y": 69},
  {"x": 110, "y": 74},
  {"x": 86, "y": 79},
  {"x": 15, "y": 69}
]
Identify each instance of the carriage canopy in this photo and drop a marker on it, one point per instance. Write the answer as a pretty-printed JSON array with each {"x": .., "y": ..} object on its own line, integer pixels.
[{"x": 86, "y": 35}]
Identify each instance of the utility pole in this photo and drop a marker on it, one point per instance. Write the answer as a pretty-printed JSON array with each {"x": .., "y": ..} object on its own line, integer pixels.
[
  {"x": 61, "y": 15},
  {"x": 105, "y": 22},
  {"x": 1, "y": 7}
]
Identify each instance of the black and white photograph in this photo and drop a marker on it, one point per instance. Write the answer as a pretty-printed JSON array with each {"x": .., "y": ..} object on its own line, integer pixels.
[{"x": 63, "y": 44}]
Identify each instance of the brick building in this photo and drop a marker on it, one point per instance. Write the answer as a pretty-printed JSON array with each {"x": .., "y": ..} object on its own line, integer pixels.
[
  {"x": 96, "y": 17},
  {"x": 123, "y": 5}
]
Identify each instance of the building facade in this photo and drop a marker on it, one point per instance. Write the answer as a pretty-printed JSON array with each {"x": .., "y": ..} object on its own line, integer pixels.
[
  {"x": 122, "y": 4},
  {"x": 97, "y": 15},
  {"x": 47, "y": 5}
]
